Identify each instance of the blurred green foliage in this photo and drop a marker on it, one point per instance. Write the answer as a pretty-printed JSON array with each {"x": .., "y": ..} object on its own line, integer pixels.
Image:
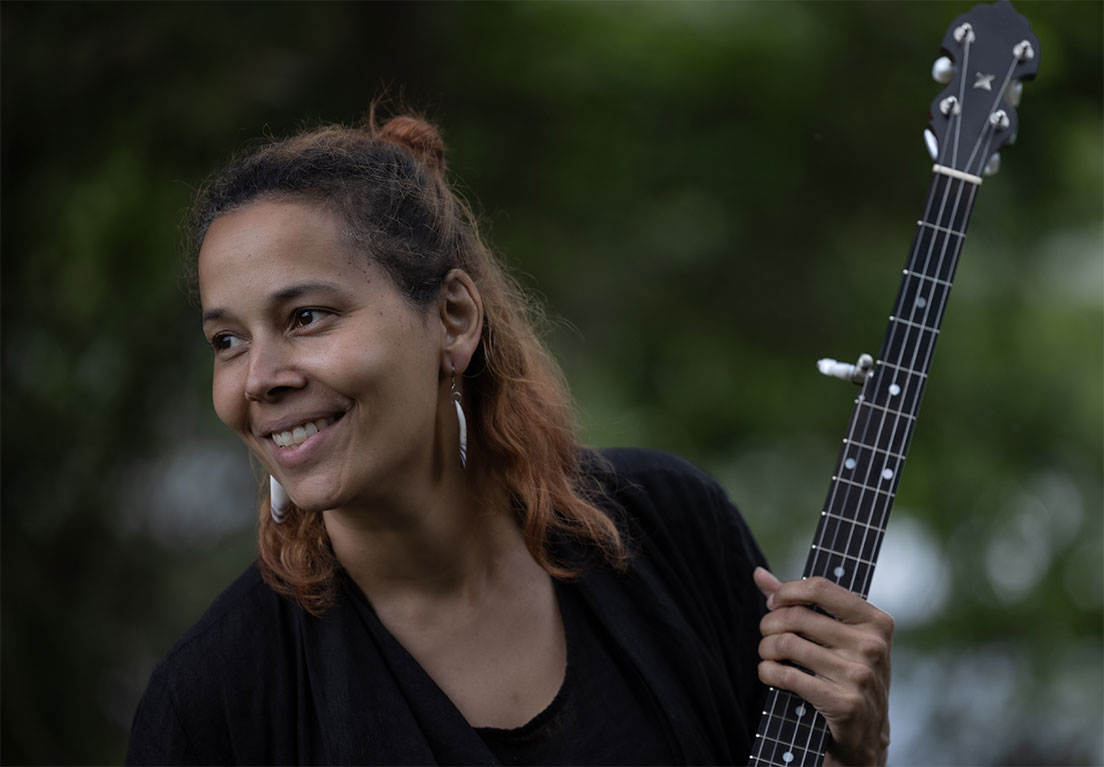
[{"x": 708, "y": 196}]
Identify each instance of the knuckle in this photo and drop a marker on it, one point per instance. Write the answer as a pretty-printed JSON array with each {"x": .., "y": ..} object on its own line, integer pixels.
[
  {"x": 885, "y": 623},
  {"x": 852, "y": 703},
  {"x": 819, "y": 586},
  {"x": 861, "y": 676},
  {"x": 788, "y": 644},
  {"x": 768, "y": 673},
  {"x": 766, "y": 648},
  {"x": 786, "y": 676},
  {"x": 874, "y": 649}
]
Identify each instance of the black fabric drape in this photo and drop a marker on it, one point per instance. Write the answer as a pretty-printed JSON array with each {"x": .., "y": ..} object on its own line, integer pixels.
[{"x": 259, "y": 681}]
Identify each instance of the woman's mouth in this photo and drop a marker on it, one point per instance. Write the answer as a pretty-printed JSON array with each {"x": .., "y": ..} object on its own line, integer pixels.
[{"x": 297, "y": 435}]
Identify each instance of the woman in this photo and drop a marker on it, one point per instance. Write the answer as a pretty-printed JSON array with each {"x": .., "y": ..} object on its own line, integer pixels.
[{"x": 444, "y": 575}]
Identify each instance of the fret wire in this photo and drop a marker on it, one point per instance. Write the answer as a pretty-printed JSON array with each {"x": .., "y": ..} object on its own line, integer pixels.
[
  {"x": 869, "y": 404},
  {"x": 791, "y": 747},
  {"x": 921, "y": 275},
  {"x": 910, "y": 323},
  {"x": 830, "y": 561},
  {"x": 863, "y": 542},
  {"x": 817, "y": 725},
  {"x": 941, "y": 228},
  {"x": 814, "y": 723},
  {"x": 784, "y": 739},
  {"x": 781, "y": 742},
  {"x": 857, "y": 507},
  {"x": 901, "y": 368},
  {"x": 852, "y": 557},
  {"x": 863, "y": 446},
  {"x": 830, "y": 516},
  {"x": 862, "y": 485}
]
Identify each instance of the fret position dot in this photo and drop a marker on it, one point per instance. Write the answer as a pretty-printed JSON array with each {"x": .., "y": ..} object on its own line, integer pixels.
[
  {"x": 921, "y": 302},
  {"x": 887, "y": 474},
  {"x": 788, "y": 757},
  {"x": 839, "y": 572},
  {"x": 849, "y": 463},
  {"x": 894, "y": 390},
  {"x": 800, "y": 711}
]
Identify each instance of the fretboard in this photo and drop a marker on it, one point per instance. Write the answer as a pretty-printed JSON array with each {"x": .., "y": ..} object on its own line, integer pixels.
[{"x": 864, "y": 483}]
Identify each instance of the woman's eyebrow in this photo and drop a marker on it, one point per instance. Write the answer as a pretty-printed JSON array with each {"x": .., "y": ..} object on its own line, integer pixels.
[
  {"x": 301, "y": 288},
  {"x": 282, "y": 295}
]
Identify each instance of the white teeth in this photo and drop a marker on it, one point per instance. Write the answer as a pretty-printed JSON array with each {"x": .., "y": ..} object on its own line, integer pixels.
[{"x": 299, "y": 434}]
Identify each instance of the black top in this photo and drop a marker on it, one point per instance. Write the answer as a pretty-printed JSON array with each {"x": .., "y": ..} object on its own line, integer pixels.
[
  {"x": 602, "y": 714},
  {"x": 259, "y": 680}
]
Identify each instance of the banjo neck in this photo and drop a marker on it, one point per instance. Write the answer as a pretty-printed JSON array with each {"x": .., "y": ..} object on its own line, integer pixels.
[
  {"x": 868, "y": 471},
  {"x": 993, "y": 51}
]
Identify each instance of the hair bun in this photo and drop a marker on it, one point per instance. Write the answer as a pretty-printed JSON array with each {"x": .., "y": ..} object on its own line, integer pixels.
[{"x": 417, "y": 137}]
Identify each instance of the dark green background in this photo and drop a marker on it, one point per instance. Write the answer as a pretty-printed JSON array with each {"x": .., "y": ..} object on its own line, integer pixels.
[{"x": 708, "y": 197}]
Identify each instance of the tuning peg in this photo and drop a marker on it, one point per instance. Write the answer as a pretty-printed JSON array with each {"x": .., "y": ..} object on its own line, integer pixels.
[
  {"x": 942, "y": 70},
  {"x": 992, "y": 166},
  {"x": 932, "y": 143},
  {"x": 1013, "y": 93}
]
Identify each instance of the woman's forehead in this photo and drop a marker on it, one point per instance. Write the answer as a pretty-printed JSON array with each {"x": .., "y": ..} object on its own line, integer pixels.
[{"x": 274, "y": 241}]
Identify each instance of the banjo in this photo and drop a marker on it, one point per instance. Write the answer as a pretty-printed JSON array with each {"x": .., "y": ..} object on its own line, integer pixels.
[{"x": 988, "y": 53}]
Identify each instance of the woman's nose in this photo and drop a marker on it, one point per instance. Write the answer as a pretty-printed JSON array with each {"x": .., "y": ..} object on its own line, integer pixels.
[{"x": 272, "y": 372}]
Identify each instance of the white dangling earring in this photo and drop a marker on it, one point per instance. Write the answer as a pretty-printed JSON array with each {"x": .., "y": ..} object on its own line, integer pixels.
[
  {"x": 462, "y": 420},
  {"x": 278, "y": 500}
]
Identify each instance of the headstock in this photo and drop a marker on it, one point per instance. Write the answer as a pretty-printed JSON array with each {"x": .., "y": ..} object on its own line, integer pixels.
[{"x": 988, "y": 53}]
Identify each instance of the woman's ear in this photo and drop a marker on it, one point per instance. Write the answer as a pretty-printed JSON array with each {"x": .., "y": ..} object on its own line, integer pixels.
[{"x": 461, "y": 312}]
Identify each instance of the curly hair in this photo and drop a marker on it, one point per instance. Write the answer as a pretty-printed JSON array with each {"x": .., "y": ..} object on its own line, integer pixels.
[{"x": 388, "y": 183}]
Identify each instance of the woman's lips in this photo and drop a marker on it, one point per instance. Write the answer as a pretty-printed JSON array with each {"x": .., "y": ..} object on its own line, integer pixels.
[
  {"x": 294, "y": 446},
  {"x": 297, "y": 435}
]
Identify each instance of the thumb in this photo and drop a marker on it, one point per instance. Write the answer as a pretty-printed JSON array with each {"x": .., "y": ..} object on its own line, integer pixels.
[{"x": 767, "y": 584}]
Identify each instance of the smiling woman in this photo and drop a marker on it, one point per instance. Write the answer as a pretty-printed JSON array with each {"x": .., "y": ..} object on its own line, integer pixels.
[
  {"x": 444, "y": 574},
  {"x": 339, "y": 374}
]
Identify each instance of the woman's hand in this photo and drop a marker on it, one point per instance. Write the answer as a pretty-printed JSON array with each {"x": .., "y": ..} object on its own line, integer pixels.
[{"x": 848, "y": 654}]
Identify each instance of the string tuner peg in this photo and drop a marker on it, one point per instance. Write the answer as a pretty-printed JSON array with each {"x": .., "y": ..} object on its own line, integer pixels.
[
  {"x": 932, "y": 143},
  {"x": 992, "y": 166},
  {"x": 942, "y": 70},
  {"x": 1013, "y": 93},
  {"x": 857, "y": 373}
]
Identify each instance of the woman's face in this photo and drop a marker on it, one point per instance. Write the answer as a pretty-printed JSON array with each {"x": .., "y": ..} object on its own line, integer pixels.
[{"x": 329, "y": 377}]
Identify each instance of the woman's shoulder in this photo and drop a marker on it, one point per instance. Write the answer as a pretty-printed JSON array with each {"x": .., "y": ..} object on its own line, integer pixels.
[
  {"x": 657, "y": 482},
  {"x": 248, "y": 621},
  {"x": 230, "y": 655},
  {"x": 669, "y": 501},
  {"x": 645, "y": 466},
  {"x": 245, "y": 611}
]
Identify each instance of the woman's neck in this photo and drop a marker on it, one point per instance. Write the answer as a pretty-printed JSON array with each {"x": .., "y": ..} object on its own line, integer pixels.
[{"x": 445, "y": 542}]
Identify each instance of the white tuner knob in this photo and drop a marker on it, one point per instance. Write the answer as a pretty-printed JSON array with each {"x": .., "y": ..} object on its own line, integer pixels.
[
  {"x": 1013, "y": 93},
  {"x": 992, "y": 166},
  {"x": 932, "y": 143},
  {"x": 942, "y": 70}
]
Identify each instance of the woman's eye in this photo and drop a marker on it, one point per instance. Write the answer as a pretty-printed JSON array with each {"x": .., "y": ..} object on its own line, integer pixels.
[
  {"x": 305, "y": 317},
  {"x": 224, "y": 341}
]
